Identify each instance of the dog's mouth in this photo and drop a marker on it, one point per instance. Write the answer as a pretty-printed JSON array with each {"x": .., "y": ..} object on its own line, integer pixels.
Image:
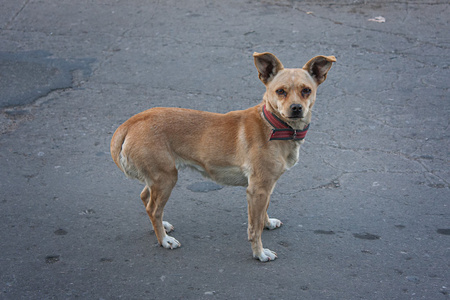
[
  {"x": 293, "y": 115},
  {"x": 296, "y": 114},
  {"x": 296, "y": 117}
]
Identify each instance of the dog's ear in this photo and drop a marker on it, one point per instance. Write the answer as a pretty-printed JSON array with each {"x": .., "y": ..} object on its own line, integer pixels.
[
  {"x": 268, "y": 66},
  {"x": 318, "y": 67}
]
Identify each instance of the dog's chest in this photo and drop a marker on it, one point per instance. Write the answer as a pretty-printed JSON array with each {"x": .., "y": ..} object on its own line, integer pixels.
[
  {"x": 292, "y": 153},
  {"x": 287, "y": 152}
]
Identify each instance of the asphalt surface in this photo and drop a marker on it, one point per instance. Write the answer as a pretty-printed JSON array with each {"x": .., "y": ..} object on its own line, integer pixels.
[{"x": 366, "y": 210}]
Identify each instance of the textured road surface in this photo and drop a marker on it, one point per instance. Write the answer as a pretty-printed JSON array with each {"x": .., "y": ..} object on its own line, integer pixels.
[{"x": 366, "y": 210}]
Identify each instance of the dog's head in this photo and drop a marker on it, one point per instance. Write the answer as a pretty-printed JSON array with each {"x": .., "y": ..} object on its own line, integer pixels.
[{"x": 291, "y": 93}]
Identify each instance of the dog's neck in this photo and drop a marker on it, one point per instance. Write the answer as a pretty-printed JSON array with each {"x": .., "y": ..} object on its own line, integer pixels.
[
  {"x": 282, "y": 130},
  {"x": 298, "y": 124}
]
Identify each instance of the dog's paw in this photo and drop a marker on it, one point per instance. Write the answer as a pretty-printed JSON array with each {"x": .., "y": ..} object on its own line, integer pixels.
[
  {"x": 266, "y": 255},
  {"x": 170, "y": 242},
  {"x": 168, "y": 227},
  {"x": 273, "y": 223}
]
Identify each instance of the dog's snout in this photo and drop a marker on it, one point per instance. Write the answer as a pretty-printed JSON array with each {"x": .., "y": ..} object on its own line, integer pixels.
[
  {"x": 296, "y": 107},
  {"x": 296, "y": 110}
]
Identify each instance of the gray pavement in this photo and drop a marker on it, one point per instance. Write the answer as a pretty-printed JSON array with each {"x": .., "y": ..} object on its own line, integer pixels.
[{"x": 366, "y": 211}]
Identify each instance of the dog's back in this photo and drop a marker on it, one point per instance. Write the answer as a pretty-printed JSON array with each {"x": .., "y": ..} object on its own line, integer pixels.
[{"x": 148, "y": 138}]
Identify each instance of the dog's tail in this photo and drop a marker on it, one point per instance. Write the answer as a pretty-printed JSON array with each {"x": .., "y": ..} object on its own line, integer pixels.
[{"x": 117, "y": 141}]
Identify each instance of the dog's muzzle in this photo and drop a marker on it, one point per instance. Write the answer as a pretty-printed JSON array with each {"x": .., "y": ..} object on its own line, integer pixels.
[{"x": 296, "y": 111}]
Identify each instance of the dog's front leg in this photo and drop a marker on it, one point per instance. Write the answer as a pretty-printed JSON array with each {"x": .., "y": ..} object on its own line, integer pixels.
[{"x": 258, "y": 197}]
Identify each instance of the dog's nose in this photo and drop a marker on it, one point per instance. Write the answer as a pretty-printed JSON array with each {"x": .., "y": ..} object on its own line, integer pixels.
[{"x": 296, "y": 109}]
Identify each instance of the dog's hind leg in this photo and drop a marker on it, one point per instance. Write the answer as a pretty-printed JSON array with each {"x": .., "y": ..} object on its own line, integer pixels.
[
  {"x": 145, "y": 196},
  {"x": 155, "y": 197}
]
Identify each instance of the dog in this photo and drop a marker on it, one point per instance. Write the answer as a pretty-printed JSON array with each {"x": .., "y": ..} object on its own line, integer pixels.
[{"x": 250, "y": 148}]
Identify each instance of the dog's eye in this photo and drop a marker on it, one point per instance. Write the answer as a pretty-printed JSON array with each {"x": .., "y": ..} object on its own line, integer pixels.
[
  {"x": 306, "y": 92},
  {"x": 281, "y": 92}
]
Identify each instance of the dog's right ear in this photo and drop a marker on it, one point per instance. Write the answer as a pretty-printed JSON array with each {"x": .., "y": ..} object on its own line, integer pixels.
[{"x": 268, "y": 66}]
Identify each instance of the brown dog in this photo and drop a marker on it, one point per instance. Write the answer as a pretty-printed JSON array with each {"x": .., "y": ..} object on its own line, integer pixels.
[{"x": 251, "y": 148}]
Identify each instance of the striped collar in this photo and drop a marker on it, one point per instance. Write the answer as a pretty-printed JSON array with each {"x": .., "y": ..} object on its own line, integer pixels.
[{"x": 281, "y": 130}]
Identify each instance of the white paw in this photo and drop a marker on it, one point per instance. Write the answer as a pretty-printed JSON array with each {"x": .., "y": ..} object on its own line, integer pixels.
[
  {"x": 266, "y": 255},
  {"x": 167, "y": 226},
  {"x": 273, "y": 223},
  {"x": 170, "y": 242}
]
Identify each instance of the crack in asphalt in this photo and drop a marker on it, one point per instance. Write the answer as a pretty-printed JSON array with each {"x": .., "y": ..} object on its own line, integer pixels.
[{"x": 11, "y": 21}]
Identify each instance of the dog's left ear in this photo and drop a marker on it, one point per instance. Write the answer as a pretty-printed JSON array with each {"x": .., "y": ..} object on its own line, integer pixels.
[
  {"x": 318, "y": 67},
  {"x": 268, "y": 66}
]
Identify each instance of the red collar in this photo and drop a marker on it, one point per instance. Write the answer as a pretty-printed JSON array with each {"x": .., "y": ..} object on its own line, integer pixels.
[{"x": 283, "y": 131}]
